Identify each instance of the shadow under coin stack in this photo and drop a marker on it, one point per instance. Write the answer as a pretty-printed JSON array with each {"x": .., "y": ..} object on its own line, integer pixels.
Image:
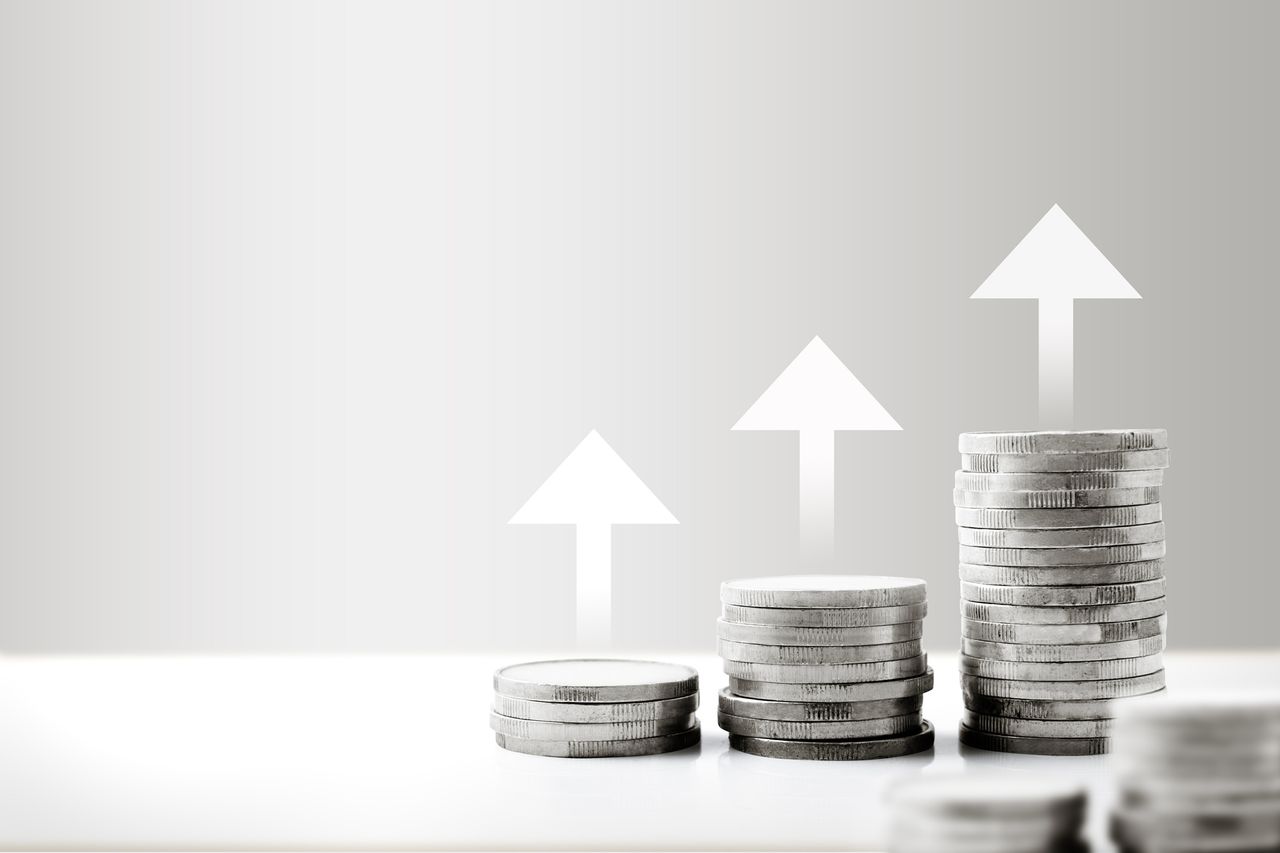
[
  {"x": 1198, "y": 774},
  {"x": 1062, "y": 584},
  {"x": 980, "y": 813},
  {"x": 824, "y": 667},
  {"x": 595, "y": 708}
]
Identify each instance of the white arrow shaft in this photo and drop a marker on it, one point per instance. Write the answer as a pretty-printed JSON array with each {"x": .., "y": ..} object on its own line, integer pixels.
[
  {"x": 1057, "y": 363},
  {"x": 817, "y": 499},
  {"x": 594, "y": 584}
]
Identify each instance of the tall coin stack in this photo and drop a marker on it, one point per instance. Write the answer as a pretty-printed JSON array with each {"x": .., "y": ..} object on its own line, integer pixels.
[
  {"x": 1198, "y": 775},
  {"x": 979, "y": 813},
  {"x": 824, "y": 666},
  {"x": 1062, "y": 584},
  {"x": 595, "y": 708}
]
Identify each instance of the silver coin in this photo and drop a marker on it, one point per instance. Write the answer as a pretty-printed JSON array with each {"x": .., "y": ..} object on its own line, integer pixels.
[
  {"x": 1059, "y": 519},
  {"x": 1082, "y": 670},
  {"x": 1060, "y": 654},
  {"x": 866, "y": 691},
  {"x": 1108, "y": 632},
  {"x": 823, "y": 591},
  {"x": 1080, "y": 537},
  {"x": 1061, "y": 556},
  {"x": 596, "y": 680},
  {"x": 1057, "y": 498},
  {"x": 1039, "y": 441},
  {"x": 815, "y": 712},
  {"x": 782, "y": 635},
  {"x": 594, "y": 712},
  {"x": 1112, "y": 460},
  {"x": 1015, "y": 727},
  {"x": 833, "y": 673},
  {"x": 979, "y": 832},
  {"x": 832, "y": 730},
  {"x": 1112, "y": 688},
  {"x": 1035, "y": 745},
  {"x": 1062, "y": 596},
  {"x": 1026, "y": 615},
  {"x": 826, "y": 617},
  {"x": 634, "y": 730},
  {"x": 1191, "y": 833},
  {"x": 1063, "y": 575},
  {"x": 810, "y": 655},
  {"x": 1083, "y": 481},
  {"x": 1044, "y": 709},
  {"x": 912, "y": 843},
  {"x": 837, "y": 750},
  {"x": 600, "y": 748},
  {"x": 965, "y": 796},
  {"x": 1206, "y": 712}
]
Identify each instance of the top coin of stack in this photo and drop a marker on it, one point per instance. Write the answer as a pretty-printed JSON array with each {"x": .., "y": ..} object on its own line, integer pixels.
[
  {"x": 595, "y": 708},
  {"x": 824, "y": 666},
  {"x": 985, "y": 813},
  {"x": 1062, "y": 584},
  {"x": 1198, "y": 773}
]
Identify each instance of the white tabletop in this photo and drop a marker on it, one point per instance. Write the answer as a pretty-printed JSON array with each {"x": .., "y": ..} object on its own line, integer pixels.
[{"x": 395, "y": 752}]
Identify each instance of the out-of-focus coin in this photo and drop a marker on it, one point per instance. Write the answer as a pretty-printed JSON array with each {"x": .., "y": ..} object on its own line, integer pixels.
[
  {"x": 837, "y": 750},
  {"x": 1036, "y": 728},
  {"x": 783, "y": 635},
  {"x": 1092, "y": 481},
  {"x": 811, "y": 655},
  {"x": 1057, "y": 498},
  {"x": 1040, "y": 441},
  {"x": 1061, "y": 556},
  {"x": 866, "y": 691},
  {"x": 1112, "y": 688},
  {"x": 971, "y": 795},
  {"x": 1059, "y": 519},
  {"x": 1035, "y": 745},
  {"x": 1192, "y": 833},
  {"x": 1043, "y": 709},
  {"x": 1083, "y": 670},
  {"x": 826, "y": 617},
  {"x": 594, "y": 712},
  {"x": 1026, "y": 615},
  {"x": 833, "y": 673},
  {"x": 831, "y": 730},
  {"x": 1059, "y": 654},
  {"x": 599, "y": 748},
  {"x": 596, "y": 680},
  {"x": 1104, "y": 632},
  {"x": 824, "y": 591},
  {"x": 1063, "y": 575},
  {"x": 543, "y": 730},
  {"x": 1080, "y": 537},
  {"x": 1111, "y": 460},
  {"x": 1062, "y": 596},
  {"x": 761, "y": 709}
]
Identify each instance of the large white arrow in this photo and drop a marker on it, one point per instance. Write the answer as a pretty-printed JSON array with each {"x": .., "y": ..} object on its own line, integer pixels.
[
  {"x": 1056, "y": 264},
  {"x": 816, "y": 396},
  {"x": 593, "y": 489}
]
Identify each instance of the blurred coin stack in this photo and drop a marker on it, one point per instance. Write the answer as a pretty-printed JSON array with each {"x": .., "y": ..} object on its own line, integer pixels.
[
  {"x": 824, "y": 666},
  {"x": 1062, "y": 584},
  {"x": 981, "y": 813},
  {"x": 595, "y": 708},
  {"x": 1198, "y": 775}
]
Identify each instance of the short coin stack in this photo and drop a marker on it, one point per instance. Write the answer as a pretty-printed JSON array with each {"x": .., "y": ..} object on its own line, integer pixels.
[
  {"x": 595, "y": 708},
  {"x": 1198, "y": 774},
  {"x": 824, "y": 666},
  {"x": 981, "y": 813},
  {"x": 1062, "y": 584}
]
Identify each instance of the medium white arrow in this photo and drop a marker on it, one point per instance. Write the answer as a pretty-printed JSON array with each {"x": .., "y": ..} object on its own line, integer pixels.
[
  {"x": 816, "y": 396},
  {"x": 593, "y": 489},
  {"x": 1056, "y": 264}
]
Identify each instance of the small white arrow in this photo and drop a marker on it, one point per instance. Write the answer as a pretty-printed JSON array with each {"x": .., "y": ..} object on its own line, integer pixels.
[
  {"x": 1056, "y": 264},
  {"x": 816, "y": 396},
  {"x": 594, "y": 490}
]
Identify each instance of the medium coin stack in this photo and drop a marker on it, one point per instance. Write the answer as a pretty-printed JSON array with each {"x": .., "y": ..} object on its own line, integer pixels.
[
  {"x": 1198, "y": 774},
  {"x": 981, "y": 813},
  {"x": 1062, "y": 584},
  {"x": 595, "y": 708},
  {"x": 825, "y": 667}
]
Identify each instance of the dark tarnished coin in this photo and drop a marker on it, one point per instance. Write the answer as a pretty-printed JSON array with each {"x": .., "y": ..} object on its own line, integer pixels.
[
  {"x": 1035, "y": 745},
  {"x": 837, "y": 750},
  {"x": 1015, "y": 727}
]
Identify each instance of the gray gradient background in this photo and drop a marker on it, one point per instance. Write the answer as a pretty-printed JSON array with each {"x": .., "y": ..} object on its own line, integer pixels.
[{"x": 299, "y": 303}]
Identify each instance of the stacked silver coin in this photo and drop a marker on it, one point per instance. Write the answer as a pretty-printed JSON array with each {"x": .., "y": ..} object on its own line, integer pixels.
[
  {"x": 825, "y": 667},
  {"x": 595, "y": 708},
  {"x": 1062, "y": 584},
  {"x": 983, "y": 813},
  {"x": 1198, "y": 774}
]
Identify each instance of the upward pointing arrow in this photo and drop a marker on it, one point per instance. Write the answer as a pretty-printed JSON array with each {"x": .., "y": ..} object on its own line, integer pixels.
[
  {"x": 594, "y": 490},
  {"x": 1056, "y": 264},
  {"x": 816, "y": 396}
]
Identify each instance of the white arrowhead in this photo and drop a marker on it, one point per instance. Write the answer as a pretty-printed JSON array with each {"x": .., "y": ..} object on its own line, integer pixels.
[{"x": 816, "y": 392}]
